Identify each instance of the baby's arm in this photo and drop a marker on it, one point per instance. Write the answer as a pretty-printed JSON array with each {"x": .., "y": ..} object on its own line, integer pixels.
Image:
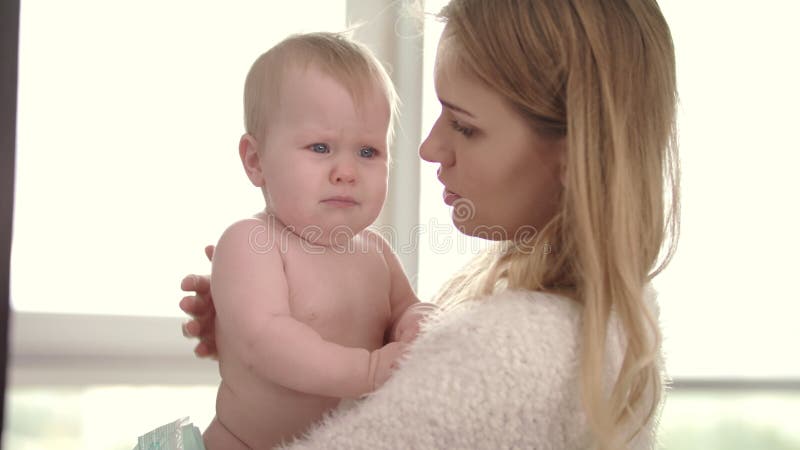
[
  {"x": 251, "y": 296},
  {"x": 407, "y": 310}
]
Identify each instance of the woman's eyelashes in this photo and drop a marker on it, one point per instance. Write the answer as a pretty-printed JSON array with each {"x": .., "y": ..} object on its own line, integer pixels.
[
  {"x": 366, "y": 151},
  {"x": 461, "y": 128}
]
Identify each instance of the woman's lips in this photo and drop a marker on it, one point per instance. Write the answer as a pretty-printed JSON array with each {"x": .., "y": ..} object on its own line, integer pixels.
[{"x": 450, "y": 197}]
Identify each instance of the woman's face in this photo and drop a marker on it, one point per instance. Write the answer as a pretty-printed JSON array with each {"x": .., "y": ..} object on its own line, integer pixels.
[{"x": 502, "y": 178}]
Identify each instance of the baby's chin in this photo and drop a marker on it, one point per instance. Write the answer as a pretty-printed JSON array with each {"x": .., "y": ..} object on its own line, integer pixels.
[
  {"x": 339, "y": 236},
  {"x": 328, "y": 227}
]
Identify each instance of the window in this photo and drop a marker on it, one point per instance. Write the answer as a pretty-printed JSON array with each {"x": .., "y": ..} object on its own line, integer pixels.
[
  {"x": 116, "y": 102},
  {"x": 725, "y": 307}
]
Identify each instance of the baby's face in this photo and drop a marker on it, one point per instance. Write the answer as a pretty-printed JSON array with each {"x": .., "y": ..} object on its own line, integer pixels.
[{"x": 324, "y": 158}]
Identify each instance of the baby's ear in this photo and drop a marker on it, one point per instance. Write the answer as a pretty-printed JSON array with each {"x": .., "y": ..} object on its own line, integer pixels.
[{"x": 251, "y": 159}]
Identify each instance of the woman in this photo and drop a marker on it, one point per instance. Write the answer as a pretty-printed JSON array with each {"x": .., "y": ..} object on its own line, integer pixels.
[{"x": 557, "y": 116}]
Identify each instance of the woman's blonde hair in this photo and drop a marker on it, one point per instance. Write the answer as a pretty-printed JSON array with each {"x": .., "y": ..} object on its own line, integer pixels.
[
  {"x": 602, "y": 74},
  {"x": 348, "y": 62}
]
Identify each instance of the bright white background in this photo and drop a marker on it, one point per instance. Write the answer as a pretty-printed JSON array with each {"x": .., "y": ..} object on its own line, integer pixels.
[{"x": 129, "y": 118}]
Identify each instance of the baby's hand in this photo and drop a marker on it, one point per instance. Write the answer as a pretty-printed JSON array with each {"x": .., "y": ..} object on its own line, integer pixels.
[
  {"x": 410, "y": 331},
  {"x": 385, "y": 360},
  {"x": 407, "y": 327}
]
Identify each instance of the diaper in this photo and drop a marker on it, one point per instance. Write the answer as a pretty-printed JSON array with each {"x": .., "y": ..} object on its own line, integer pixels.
[{"x": 178, "y": 435}]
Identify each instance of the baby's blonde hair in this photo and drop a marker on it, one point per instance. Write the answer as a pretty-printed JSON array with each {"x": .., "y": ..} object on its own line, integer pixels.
[
  {"x": 346, "y": 61},
  {"x": 601, "y": 74}
]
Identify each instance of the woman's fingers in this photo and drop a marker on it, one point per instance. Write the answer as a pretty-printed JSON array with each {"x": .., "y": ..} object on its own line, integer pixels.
[
  {"x": 201, "y": 309},
  {"x": 188, "y": 283},
  {"x": 192, "y": 328},
  {"x": 205, "y": 349},
  {"x": 185, "y": 330},
  {"x": 197, "y": 283},
  {"x": 194, "y": 305},
  {"x": 187, "y": 304}
]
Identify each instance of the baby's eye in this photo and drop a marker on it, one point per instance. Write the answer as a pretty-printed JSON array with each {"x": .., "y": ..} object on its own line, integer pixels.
[
  {"x": 367, "y": 152},
  {"x": 319, "y": 148}
]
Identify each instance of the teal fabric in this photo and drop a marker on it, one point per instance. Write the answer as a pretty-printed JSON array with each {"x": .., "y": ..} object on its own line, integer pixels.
[{"x": 178, "y": 435}]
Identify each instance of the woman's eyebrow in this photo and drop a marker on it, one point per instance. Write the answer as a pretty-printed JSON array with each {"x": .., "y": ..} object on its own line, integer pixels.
[{"x": 455, "y": 108}]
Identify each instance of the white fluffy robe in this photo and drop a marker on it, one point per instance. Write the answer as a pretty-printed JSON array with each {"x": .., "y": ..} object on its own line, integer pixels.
[{"x": 501, "y": 373}]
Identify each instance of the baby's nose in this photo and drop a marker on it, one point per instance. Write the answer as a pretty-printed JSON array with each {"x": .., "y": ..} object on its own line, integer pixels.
[{"x": 343, "y": 172}]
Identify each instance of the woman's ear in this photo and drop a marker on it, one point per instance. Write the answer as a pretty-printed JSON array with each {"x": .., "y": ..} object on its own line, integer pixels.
[{"x": 251, "y": 159}]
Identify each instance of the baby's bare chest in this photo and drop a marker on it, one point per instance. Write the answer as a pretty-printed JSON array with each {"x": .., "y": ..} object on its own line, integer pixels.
[{"x": 344, "y": 296}]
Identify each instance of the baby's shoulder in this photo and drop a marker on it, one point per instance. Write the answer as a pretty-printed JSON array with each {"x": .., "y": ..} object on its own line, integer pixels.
[
  {"x": 372, "y": 241},
  {"x": 372, "y": 246},
  {"x": 257, "y": 233}
]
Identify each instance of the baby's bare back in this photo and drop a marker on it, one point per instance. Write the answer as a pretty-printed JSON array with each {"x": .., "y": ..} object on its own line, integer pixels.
[{"x": 344, "y": 296}]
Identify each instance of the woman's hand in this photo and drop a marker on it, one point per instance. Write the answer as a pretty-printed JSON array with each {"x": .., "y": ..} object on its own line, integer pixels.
[{"x": 200, "y": 307}]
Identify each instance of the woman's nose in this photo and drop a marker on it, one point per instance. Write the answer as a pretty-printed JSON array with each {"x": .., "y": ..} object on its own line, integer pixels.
[{"x": 435, "y": 148}]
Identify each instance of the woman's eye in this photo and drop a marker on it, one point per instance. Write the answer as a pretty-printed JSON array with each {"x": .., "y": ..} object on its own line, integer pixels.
[
  {"x": 367, "y": 152},
  {"x": 466, "y": 131},
  {"x": 319, "y": 148}
]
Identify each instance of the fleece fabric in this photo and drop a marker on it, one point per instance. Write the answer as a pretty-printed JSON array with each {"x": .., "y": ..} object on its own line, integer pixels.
[{"x": 498, "y": 373}]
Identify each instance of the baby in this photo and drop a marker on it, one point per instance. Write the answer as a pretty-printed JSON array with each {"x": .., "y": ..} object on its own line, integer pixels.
[{"x": 311, "y": 306}]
